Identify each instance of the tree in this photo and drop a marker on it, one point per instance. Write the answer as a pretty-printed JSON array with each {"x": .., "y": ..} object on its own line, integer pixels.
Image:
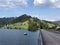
[{"x": 32, "y": 25}]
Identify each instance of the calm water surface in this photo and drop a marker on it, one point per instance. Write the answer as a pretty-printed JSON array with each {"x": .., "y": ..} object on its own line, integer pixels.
[{"x": 17, "y": 37}]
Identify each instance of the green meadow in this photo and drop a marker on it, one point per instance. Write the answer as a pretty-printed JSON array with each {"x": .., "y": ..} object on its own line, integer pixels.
[{"x": 19, "y": 25}]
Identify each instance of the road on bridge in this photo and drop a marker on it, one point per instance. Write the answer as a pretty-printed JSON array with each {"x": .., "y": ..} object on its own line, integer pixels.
[{"x": 50, "y": 38}]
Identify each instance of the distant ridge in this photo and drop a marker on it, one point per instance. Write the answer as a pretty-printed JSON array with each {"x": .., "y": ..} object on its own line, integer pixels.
[
  {"x": 4, "y": 20},
  {"x": 57, "y": 22}
]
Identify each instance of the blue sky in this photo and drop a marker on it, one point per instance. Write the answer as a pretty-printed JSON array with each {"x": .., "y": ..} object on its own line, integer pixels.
[{"x": 43, "y": 9}]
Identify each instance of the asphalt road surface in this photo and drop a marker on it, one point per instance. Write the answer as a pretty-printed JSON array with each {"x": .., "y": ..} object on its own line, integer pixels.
[{"x": 50, "y": 38}]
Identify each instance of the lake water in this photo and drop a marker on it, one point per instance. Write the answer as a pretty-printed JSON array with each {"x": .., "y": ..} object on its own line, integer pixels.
[{"x": 17, "y": 37}]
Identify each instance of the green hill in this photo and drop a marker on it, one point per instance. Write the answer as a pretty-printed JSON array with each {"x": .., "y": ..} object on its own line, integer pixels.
[
  {"x": 48, "y": 25},
  {"x": 23, "y": 22},
  {"x": 29, "y": 23},
  {"x": 21, "y": 18}
]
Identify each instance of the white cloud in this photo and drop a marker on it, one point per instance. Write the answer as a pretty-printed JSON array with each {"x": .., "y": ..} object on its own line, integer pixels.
[
  {"x": 13, "y": 3},
  {"x": 49, "y": 19},
  {"x": 39, "y": 2},
  {"x": 47, "y": 3}
]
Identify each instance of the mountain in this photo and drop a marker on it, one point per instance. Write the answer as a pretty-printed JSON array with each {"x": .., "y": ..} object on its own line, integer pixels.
[
  {"x": 27, "y": 22},
  {"x": 10, "y": 20},
  {"x": 23, "y": 22},
  {"x": 57, "y": 22},
  {"x": 4, "y": 20},
  {"x": 21, "y": 18}
]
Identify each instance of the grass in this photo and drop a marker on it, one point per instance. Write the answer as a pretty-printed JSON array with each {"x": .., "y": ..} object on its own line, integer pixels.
[{"x": 19, "y": 25}]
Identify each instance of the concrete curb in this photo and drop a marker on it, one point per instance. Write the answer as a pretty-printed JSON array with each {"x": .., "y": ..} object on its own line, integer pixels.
[{"x": 40, "y": 38}]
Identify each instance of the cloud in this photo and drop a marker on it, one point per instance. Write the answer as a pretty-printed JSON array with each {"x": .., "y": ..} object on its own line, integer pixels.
[
  {"x": 49, "y": 19},
  {"x": 47, "y": 3},
  {"x": 13, "y": 3}
]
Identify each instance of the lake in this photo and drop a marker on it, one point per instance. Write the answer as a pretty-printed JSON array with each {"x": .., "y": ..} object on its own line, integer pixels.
[{"x": 17, "y": 37}]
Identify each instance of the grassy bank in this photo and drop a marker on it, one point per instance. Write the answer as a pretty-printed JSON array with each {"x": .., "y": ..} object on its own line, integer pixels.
[{"x": 19, "y": 25}]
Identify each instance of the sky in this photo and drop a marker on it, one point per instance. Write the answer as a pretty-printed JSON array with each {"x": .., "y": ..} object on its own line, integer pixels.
[{"x": 43, "y": 9}]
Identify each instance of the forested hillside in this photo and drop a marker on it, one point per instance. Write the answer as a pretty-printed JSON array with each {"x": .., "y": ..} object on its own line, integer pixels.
[{"x": 27, "y": 22}]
